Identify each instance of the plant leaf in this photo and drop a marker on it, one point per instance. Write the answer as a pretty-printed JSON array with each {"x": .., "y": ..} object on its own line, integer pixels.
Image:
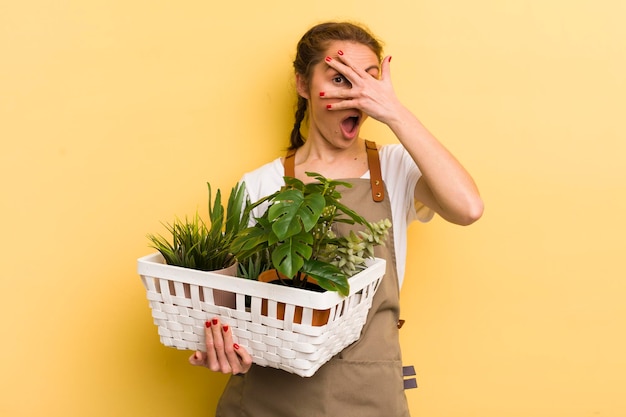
[
  {"x": 356, "y": 218},
  {"x": 328, "y": 276},
  {"x": 328, "y": 183},
  {"x": 216, "y": 213},
  {"x": 294, "y": 183},
  {"x": 294, "y": 212},
  {"x": 237, "y": 210},
  {"x": 248, "y": 241},
  {"x": 289, "y": 256}
]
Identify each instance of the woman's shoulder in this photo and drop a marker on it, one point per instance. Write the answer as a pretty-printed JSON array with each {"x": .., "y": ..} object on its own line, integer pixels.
[
  {"x": 392, "y": 151},
  {"x": 397, "y": 158},
  {"x": 272, "y": 168},
  {"x": 264, "y": 180}
]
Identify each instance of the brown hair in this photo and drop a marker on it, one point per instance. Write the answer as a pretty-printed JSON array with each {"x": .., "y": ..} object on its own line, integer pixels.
[{"x": 310, "y": 51}]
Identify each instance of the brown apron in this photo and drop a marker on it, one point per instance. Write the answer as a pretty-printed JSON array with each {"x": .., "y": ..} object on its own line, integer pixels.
[{"x": 365, "y": 379}]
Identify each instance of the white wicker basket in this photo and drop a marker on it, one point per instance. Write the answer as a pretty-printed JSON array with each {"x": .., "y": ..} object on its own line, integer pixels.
[{"x": 182, "y": 300}]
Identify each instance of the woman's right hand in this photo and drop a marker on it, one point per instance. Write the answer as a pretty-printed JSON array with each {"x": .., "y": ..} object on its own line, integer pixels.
[{"x": 222, "y": 354}]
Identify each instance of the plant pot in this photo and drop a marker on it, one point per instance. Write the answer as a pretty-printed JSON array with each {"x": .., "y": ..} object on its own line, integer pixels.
[
  {"x": 226, "y": 298},
  {"x": 272, "y": 276},
  {"x": 220, "y": 297}
]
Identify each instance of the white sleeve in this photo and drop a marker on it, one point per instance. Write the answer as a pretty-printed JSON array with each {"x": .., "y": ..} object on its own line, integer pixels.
[
  {"x": 400, "y": 175},
  {"x": 262, "y": 182}
]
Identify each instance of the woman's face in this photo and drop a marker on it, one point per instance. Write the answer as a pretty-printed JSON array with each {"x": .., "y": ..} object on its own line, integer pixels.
[{"x": 339, "y": 128}]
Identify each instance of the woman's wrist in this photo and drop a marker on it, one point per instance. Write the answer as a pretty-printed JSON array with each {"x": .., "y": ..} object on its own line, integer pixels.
[{"x": 405, "y": 125}]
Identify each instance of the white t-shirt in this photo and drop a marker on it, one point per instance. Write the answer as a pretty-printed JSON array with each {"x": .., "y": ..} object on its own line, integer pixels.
[{"x": 400, "y": 175}]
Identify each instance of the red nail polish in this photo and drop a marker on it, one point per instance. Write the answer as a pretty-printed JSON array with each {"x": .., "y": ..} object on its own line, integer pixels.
[
  {"x": 328, "y": 59},
  {"x": 329, "y": 106},
  {"x": 322, "y": 94},
  {"x": 340, "y": 52},
  {"x": 390, "y": 58},
  {"x": 207, "y": 324},
  {"x": 225, "y": 327},
  {"x": 236, "y": 346},
  {"x": 214, "y": 321}
]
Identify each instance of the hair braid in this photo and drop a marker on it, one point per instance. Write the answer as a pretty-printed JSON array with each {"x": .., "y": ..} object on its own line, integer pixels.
[{"x": 297, "y": 139}]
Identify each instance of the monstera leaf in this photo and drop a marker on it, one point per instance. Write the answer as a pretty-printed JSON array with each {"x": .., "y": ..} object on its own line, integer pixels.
[
  {"x": 293, "y": 212},
  {"x": 288, "y": 257}
]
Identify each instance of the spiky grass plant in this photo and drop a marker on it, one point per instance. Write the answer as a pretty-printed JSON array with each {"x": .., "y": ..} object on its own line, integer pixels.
[{"x": 194, "y": 244}]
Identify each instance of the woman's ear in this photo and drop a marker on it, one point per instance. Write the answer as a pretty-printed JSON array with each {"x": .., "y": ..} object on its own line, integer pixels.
[{"x": 302, "y": 87}]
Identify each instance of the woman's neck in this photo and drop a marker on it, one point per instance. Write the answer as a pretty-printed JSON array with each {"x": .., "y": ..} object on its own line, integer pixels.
[{"x": 331, "y": 162}]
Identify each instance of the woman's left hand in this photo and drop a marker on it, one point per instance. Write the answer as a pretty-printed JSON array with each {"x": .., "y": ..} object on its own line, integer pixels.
[
  {"x": 222, "y": 353},
  {"x": 374, "y": 96}
]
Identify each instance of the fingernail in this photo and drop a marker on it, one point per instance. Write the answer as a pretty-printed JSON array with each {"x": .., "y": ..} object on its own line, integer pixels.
[
  {"x": 390, "y": 58},
  {"x": 214, "y": 321},
  {"x": 340, "y": 52},
  {"x": 207, "y": 324},
  {"x": 328, "y": 106},
  {"x": 236, "y": 346},
  {"x": 225, "y": 327},
  {"x": 328, "y": 59},
  {"x": 322, "y": 94}
]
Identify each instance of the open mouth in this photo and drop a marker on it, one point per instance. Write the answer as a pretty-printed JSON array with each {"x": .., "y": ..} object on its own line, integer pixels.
[{"x": 350, "y": 126}]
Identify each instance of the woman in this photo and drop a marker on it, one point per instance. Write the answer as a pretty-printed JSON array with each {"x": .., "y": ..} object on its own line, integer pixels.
[{"x": 341, "y": 80}]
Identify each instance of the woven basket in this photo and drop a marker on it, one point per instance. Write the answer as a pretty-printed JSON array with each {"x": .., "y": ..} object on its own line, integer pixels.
[{"x": 299, "y": 348}]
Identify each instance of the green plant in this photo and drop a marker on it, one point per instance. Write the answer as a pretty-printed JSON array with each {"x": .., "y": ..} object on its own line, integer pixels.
[
  {"x": 350, "y": 252},
  {"x": 252, "y": 266},
  {"x": 193, "y": 244},
  {"x": 297, "y": 231}
]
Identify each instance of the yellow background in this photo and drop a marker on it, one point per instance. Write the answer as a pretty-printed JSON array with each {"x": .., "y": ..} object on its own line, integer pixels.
[{"x": 114, "y": 114}]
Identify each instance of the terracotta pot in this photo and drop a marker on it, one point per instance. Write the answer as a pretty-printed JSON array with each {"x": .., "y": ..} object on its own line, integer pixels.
[{"x": 320, "y": 317}]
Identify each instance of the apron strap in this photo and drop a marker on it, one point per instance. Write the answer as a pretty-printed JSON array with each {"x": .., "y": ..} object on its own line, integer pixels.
[
  {"x": 376, "y": 177},
  {"x": 290, "y": 163},
  {"x": 373, "y": 162}
]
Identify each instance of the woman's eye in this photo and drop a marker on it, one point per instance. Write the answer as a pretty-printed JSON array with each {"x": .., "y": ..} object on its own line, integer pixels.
[{"x": 340, "y": 79}]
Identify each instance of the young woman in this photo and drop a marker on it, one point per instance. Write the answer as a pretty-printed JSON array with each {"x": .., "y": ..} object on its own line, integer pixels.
[{"x": 341, "y": 80}]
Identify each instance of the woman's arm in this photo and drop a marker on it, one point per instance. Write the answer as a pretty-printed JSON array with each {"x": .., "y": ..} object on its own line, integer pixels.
[{"x": 445, "y": 186}]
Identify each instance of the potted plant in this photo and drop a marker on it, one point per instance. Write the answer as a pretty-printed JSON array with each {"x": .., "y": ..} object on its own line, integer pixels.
[
  {"x": 301, "y": 217},
  {"x": 194, "y": 244},
  {"x": 297, "y": 231}
]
